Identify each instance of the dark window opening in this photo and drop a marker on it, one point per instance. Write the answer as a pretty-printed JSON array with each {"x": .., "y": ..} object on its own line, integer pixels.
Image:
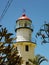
[
  {"x": 26, "y": 48},
  {"x": 27, "y": 63},
  {"x": 25, "y": 25}
]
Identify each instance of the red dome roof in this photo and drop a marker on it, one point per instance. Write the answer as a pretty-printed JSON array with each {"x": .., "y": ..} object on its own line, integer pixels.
[{"x": 23, "y": 17}]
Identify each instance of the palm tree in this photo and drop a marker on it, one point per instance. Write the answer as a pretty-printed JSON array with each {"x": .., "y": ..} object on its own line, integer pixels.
[
  {"x": 38, "y": 59},
  {"x": 8, "y": 53},
  {"x": 3, "y": 32}
]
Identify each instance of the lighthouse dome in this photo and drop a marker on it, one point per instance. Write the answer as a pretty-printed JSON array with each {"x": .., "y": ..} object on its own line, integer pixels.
[{"x": 23, "y": 17}]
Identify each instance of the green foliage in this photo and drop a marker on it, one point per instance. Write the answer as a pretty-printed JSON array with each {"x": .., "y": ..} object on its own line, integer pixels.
[
  {"x": 8, "y": 53},
  {"x": 38, "y": 59}
]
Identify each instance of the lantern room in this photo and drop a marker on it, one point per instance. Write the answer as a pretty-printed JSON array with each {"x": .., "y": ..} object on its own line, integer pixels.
[{"x": 23, "y": 28}]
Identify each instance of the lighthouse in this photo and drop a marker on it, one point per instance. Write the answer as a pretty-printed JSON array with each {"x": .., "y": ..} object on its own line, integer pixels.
[{"x": 23, "y": 42}]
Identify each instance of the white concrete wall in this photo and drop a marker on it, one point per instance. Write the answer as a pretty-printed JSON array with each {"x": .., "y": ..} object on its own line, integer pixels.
[
  {"x": 23, "y": 34},
  {"x": 26, "y": 54}
]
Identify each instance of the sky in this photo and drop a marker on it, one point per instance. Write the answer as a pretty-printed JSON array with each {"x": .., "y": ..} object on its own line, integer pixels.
[{"x": 36, "y": 10}]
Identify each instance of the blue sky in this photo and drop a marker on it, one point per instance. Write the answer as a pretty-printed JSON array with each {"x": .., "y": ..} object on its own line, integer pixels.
[{"x": 36, "y": 10}]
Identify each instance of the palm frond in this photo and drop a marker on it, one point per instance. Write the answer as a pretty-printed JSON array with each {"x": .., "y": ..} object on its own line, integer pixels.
[{"x": 44, "y": 59}]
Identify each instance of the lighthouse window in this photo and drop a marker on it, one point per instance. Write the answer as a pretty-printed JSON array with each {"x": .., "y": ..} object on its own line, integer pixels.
[
  {"x": 25, "y": 24},
  {"x": 27, "y": 63},
  {"x": 26, "y": 48}
]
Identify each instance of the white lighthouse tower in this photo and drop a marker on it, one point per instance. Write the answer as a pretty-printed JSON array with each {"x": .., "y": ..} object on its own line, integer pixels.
[{"x": 23, "y": 42}]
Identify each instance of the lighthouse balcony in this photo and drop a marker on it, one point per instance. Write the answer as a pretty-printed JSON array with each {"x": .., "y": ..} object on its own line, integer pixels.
[{"x": 27, "y": 27}]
